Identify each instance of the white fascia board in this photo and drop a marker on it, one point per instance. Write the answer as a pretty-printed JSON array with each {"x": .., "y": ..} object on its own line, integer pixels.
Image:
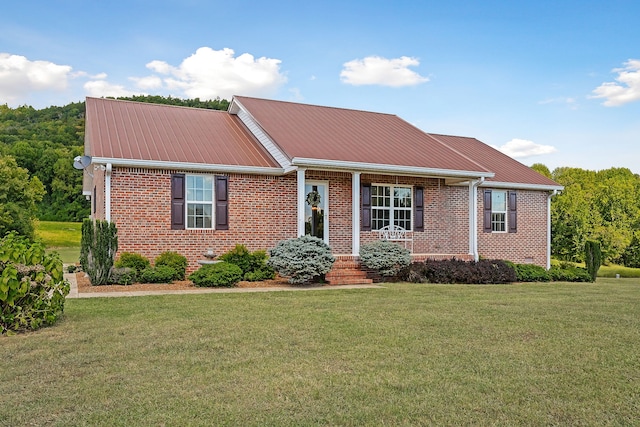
[
  {"x": 196, "y": 167},
  {"x": 259, "y": 133},
  {"x": 386, "y": 169},
  {"x": 521, "y": 186}
]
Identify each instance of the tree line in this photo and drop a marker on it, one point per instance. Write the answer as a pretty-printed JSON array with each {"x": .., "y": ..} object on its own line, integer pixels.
[{"x": 37, "y": 179}]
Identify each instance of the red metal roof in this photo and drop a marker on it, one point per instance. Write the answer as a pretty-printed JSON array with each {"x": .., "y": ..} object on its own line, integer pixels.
[
  {"x": 506, "y": 169},
  {"x": 141, "y": 131},
  {"x": 315, "y": 132}
]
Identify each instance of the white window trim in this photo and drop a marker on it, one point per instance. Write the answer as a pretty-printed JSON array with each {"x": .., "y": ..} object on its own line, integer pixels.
[
  {"x": 187, "y": 202},
  {"x": 392, "y": 207},
  {"x": 505, "y": 212}
]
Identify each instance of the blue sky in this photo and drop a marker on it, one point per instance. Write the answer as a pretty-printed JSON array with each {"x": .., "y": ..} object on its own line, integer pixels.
[{"x": 553, "y": 82}]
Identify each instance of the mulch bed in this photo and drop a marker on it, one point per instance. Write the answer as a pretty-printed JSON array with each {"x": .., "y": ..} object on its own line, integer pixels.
[{"x": 85, "y": 286}]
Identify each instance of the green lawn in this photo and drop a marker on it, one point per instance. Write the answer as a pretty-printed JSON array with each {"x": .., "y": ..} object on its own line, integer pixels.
[
  {"x": 534, "y": 354},
  {"x": 62, "y": 237}
]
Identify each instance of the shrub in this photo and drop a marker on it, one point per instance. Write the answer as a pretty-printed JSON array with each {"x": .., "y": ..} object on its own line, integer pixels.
[
  {"x": 592, "y": 258},
  {"x": 32, "y": 285},
  {"x": 174, "y": 260},
  {"x": 123, "y": 276},
  {"x": 566, "y": 272},
  {"x": 157, "y": 274},
  {"x": 386, "y": 257},
  {"x": 301, "y": 259},
  {"x": 252, "y": 264},
  {"x": 98, "y": 246},
  {"x": 263, "y": 273},
  {"x": 459, "y": 271},
  {"x": 132, "y": 260},
  {"x": 531, "y": 273},
  {"x": 218, "y": 274}
]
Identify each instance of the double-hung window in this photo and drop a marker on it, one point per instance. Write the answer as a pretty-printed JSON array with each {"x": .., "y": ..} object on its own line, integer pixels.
[
  {"x": 391, "y": 205},
  {"x": 499, "y": 211},
  {"x": 199, "y": 201}
]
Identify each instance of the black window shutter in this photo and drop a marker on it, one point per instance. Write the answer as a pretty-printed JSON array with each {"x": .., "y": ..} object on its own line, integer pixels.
[
  {"x": 365, "y": 204},
  {"x": 222, "y": 203},
  {"x": 513, "y": 212},
  {"x": 487, "y": 211},
  {"x": 177, "y": 201},
  {"x": 418, "y": 210}
]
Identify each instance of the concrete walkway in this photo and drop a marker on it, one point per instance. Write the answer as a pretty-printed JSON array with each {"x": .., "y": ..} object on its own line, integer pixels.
[{"x": 71, "y": 277}]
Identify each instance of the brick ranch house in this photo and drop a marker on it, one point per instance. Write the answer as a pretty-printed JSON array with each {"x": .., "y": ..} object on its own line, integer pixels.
[{"x": 191, "y": 180}]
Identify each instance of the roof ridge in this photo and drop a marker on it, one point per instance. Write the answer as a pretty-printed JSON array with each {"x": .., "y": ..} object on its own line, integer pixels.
[
  {"x": 102, "y": 98},
  {"x": 315, "y": 105},
  {"x": 433, "y": 136}
]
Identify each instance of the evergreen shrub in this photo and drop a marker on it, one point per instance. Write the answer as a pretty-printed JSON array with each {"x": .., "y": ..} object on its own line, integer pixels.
[
  {"x": 531, "y": 273},
  {"x": 386, "y": 257},
  {"x": 566, "y": 272},
  {"x": 301, "y": 259},
  {"x": 98, "y": 246},
  {"x": 459, "y": 271},
  {"x": 592, "y": 258},
  {"x": 123, "y": 276},
  {"x": 252, "y": 264},
  {"x": 174, "y": 260},
  {"x": 157, "y": 274},
  {"x": 132, "y": 260},
  {"x": 32, "y": 285},
  {"x": 631, "y": 255},
  {"x": 218, "y": 274}
]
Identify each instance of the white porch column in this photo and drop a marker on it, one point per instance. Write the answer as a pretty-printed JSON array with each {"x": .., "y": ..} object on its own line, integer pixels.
[
  {"x": 301, "y": 201},
  {"x": 355, "y": 212},
  {"x": 473, "y": 217}
]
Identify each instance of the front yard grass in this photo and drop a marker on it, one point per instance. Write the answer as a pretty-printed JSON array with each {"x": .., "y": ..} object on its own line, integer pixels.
[{"x": 409, "y": 354}]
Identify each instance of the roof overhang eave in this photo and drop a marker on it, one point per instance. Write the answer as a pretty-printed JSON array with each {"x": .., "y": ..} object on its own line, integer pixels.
[
  {"x": 388, "y": 169},
  {"x": 522, "y": 186},
  {"x": 194, "y": 167}
]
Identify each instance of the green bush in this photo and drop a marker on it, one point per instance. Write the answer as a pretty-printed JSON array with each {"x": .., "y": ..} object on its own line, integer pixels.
[
  {"x": 132, "y": 260},
  {"x": 566, "y": 272},
  {"x": 218, "y": 274},
  {"x": 123, "y": 276},
  {"x": 252, "y": 264},
  {"x": 32, "y": 285},
  {"x": 631, "y": 255},
  {"x": 98, "y": 246},
  {"x": 531, "y": 273},
  {"x": 174, "y": 260},
  {"x": 386, "y": 257},
  {"x": 592, "y": 258},
  {"x": 301, "y": 259},
  {"x": 157, "y": 274}
]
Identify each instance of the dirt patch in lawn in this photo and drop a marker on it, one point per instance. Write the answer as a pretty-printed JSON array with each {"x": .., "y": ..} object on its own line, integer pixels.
[{"x": 85, "y": 286}]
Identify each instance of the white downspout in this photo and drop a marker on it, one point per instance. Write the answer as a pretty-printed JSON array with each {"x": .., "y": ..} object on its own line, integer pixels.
[
  {"x": 549, "y": 227},
  {"x": 301, "y": 201},
  {"x": 473, "y": 217},
  {"x": 107, "y": 193},
  {"x": 355, "y": 213}
]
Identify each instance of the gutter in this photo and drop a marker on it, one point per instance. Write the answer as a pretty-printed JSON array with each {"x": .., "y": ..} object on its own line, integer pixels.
[
  {"x": 107, "y": 193},
  {"x": 196, "y": 167},
  {"x": 340, "y": 165},
  {"x": 549, "y": 196}
]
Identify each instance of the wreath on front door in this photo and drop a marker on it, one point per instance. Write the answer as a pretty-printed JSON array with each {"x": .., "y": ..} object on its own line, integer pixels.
[{"x": 313, "y": 199}]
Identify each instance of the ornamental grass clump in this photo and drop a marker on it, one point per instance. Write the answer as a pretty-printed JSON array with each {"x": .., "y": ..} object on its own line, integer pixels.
[
  {"x": 385, "y": 257},
  {"x": 302, "y": 259}
]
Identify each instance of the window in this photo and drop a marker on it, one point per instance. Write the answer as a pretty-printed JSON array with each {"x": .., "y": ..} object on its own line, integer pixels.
[
  {"x": 199, "y": 201},
  {"x": 499, "y": 211},
  {"x": 390, "y": 205}
]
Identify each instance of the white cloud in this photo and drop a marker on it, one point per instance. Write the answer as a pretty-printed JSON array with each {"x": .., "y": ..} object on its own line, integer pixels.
[
  {"x": 375, "y": 70},
  {"x": 524, "y": 148},
  {"x": 210, "y": 73},
  {"x": 150, "y": 82},
  {"x": 100, "y": 88},
  {"x": 19, "y": 77},
  {"x": 627, "y": 88}
]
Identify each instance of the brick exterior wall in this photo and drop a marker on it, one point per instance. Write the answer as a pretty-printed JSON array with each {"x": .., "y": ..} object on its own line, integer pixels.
[
  {"x": 529, "y": 244},
  {"x": 262, "y": 211}
]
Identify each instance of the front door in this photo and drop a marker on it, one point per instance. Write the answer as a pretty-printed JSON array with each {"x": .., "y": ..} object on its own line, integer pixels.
[{"x": 316, "y": 215}]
